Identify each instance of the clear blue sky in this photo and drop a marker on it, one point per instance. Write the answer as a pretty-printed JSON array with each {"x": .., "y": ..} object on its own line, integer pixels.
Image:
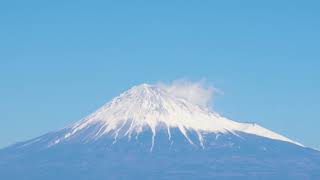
[{"x": 61, "y": 60}]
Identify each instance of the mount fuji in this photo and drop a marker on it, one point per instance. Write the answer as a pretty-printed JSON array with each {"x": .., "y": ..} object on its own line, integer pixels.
[{"x": 148, "y": 132}]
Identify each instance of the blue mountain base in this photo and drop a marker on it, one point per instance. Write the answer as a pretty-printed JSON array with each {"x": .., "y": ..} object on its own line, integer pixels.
[{"x": 221, "y": 156}]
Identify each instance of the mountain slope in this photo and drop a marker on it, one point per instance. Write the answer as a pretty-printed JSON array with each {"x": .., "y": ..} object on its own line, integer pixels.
[{"x": 146, "y": 132}]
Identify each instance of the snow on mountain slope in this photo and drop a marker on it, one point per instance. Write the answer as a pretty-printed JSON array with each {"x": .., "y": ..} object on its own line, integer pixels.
[
  {"x": 152, "y": 107},
  {"x": 148, "y": 132}
]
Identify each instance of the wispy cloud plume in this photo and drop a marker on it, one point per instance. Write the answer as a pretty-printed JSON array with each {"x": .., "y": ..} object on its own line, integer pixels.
[{"x": 197, "y": 92}]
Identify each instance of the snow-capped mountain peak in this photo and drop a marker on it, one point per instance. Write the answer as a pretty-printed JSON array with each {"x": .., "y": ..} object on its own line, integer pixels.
[
  {"x": 152, "y": 130},
  {"x": 152, "y": 107}
]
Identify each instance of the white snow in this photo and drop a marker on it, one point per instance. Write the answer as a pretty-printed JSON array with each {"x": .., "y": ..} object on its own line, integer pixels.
[{"x": 151, "y": 106}]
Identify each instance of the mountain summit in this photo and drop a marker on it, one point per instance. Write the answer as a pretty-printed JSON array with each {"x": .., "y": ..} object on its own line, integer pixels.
[
  {"x": 150, "y": 107},
  {"x": 148, "y": 132}
]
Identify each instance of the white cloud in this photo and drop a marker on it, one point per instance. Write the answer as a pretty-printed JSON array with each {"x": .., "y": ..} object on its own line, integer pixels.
[{"x": 197, "y": 92}]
